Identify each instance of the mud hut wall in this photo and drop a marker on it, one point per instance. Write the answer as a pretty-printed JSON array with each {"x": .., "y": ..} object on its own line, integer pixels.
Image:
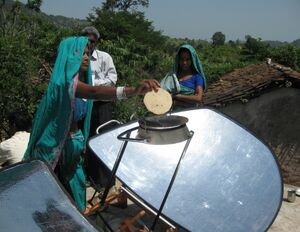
[{"x": 275, "y": 118}]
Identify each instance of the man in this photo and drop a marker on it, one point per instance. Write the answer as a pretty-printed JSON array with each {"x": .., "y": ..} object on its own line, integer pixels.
[
  {"x": 13, "y": 149},
  {"x": 103, "y": 73}
]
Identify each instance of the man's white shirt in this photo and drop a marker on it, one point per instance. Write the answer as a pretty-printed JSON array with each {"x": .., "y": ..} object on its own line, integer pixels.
[{"x": 103, "y": 69}]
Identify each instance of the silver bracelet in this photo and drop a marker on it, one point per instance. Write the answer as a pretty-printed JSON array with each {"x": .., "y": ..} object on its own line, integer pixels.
[{"x": 120, "y": 93}]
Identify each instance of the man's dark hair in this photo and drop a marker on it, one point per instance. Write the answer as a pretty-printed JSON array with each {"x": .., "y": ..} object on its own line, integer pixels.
[{"x": 21, "y": 120}]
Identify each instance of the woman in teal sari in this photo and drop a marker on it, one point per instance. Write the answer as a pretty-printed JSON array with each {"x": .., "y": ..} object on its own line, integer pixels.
[
  {"x": 56, "y": 136},
  {"x": 187, "y": 80}
]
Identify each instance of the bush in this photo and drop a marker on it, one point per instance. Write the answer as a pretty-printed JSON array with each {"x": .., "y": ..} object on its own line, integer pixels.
[
  {"x": 286, "y": 55},
  {"x": 18, "y": 64}
]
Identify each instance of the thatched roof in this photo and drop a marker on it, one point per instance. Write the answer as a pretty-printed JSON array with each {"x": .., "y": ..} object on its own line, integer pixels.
[{"x": 249, "y": 82}]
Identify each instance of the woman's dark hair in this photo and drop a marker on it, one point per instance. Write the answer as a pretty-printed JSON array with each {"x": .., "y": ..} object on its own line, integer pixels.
[
  {"x": 179, "y": 54},
  {"x": 21, "y": 120}
]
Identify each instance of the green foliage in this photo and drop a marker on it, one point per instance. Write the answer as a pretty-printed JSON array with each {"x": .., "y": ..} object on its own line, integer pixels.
[
  {"x": 296, "y": 43},
  {"x": 255, "y": 48},
  {"x": 220, "y": 54},
  {"x": 286, "y": 55},
  {"x": 17, "y": 62},
  {"x": 132, "y": 108},
  {"x": 218, "y": 39},
  {"x": 124, "y": 5},
  {"x": 34, "y": 5},
  {"x": 213, "y": 71},
  {"x": 47, "y": 38},
  {"x": 275, "y": 44},
  {"x": 126, "y": 25},
  {"x": 219, "y": 60}
]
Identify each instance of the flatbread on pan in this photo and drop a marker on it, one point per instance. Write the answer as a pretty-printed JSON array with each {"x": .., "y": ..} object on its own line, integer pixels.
[{"x": 159, "y": 102}]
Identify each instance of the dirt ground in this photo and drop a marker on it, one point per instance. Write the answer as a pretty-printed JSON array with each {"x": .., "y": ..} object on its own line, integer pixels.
[{"x": 287, "y": 220}]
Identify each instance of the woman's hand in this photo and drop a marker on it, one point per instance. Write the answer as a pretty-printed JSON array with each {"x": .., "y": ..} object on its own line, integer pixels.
[
  {"x": 146, "y": 86},
  {"x": 107, "y": 93}
]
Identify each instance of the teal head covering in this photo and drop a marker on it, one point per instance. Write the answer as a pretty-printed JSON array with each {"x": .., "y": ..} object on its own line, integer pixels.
[
  {"x": 54, "y": 115},
  {"x": 195, "y": 59}
]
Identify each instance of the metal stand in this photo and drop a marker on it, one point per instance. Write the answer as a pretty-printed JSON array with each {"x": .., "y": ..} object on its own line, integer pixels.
[
  {"x": 115, "y": 168},
  {"x": 126, "y": 139},
  {"x": 104, "y": 199},
  {"x": 171, "y": 182},
  {"x": 102, "y": 127}
]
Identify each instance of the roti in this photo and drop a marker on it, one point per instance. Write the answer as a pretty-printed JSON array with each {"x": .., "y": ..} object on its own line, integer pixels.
[{"x": 159, "y": 102}]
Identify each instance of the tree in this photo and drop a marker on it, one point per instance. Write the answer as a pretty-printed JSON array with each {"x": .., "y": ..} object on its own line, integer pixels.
[
  {"x": 286, "y": 55},
  {"x": 252, "y": 44},
  {"x": 34, "y": 5},
  {"x": 256, "y": 47},
  {"x": 126, "y": 25},
  {"x": 218, "y": 38},
  {"x": 124, "y": 5}
]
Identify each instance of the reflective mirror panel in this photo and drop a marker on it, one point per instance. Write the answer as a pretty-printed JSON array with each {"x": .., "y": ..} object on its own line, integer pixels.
[
  {"x": 31, "y": 200},
  {"x": 228, "y": 180}
]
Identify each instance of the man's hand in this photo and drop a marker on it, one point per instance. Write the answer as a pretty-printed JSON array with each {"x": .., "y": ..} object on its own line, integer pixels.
[{"x": 146, "y": 86}]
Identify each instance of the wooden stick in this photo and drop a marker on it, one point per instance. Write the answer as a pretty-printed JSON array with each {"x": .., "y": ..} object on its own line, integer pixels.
[{"x": 127, "y": 224}]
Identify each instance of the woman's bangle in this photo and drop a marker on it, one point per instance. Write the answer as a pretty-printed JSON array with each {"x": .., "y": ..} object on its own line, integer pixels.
[{"x": 120, "y": 93}]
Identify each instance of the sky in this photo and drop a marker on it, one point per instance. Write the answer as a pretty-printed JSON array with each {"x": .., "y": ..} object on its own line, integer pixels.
[{"x": 200, "y": 19}]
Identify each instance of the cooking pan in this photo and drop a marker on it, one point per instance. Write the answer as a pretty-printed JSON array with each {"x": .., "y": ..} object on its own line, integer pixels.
[{"x": 162, "y": 129}]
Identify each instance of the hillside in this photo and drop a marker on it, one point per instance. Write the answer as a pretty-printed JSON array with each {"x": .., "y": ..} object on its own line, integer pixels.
[
  {"x": 65, "y": 21},
  {"x": 296, "y": 43},
  {"x": 74, "y": 22},
  {"x": 57, "y": 19},
  {"x": 275, "y": 43}
]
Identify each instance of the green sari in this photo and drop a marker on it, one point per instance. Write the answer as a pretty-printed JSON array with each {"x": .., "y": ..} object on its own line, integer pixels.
[{"x": 49, "y": 139}]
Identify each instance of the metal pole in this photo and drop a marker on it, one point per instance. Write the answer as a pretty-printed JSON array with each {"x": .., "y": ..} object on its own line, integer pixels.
[
  {"x": 114, "y": 170},
  {"x": 171, "y": 182}
]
